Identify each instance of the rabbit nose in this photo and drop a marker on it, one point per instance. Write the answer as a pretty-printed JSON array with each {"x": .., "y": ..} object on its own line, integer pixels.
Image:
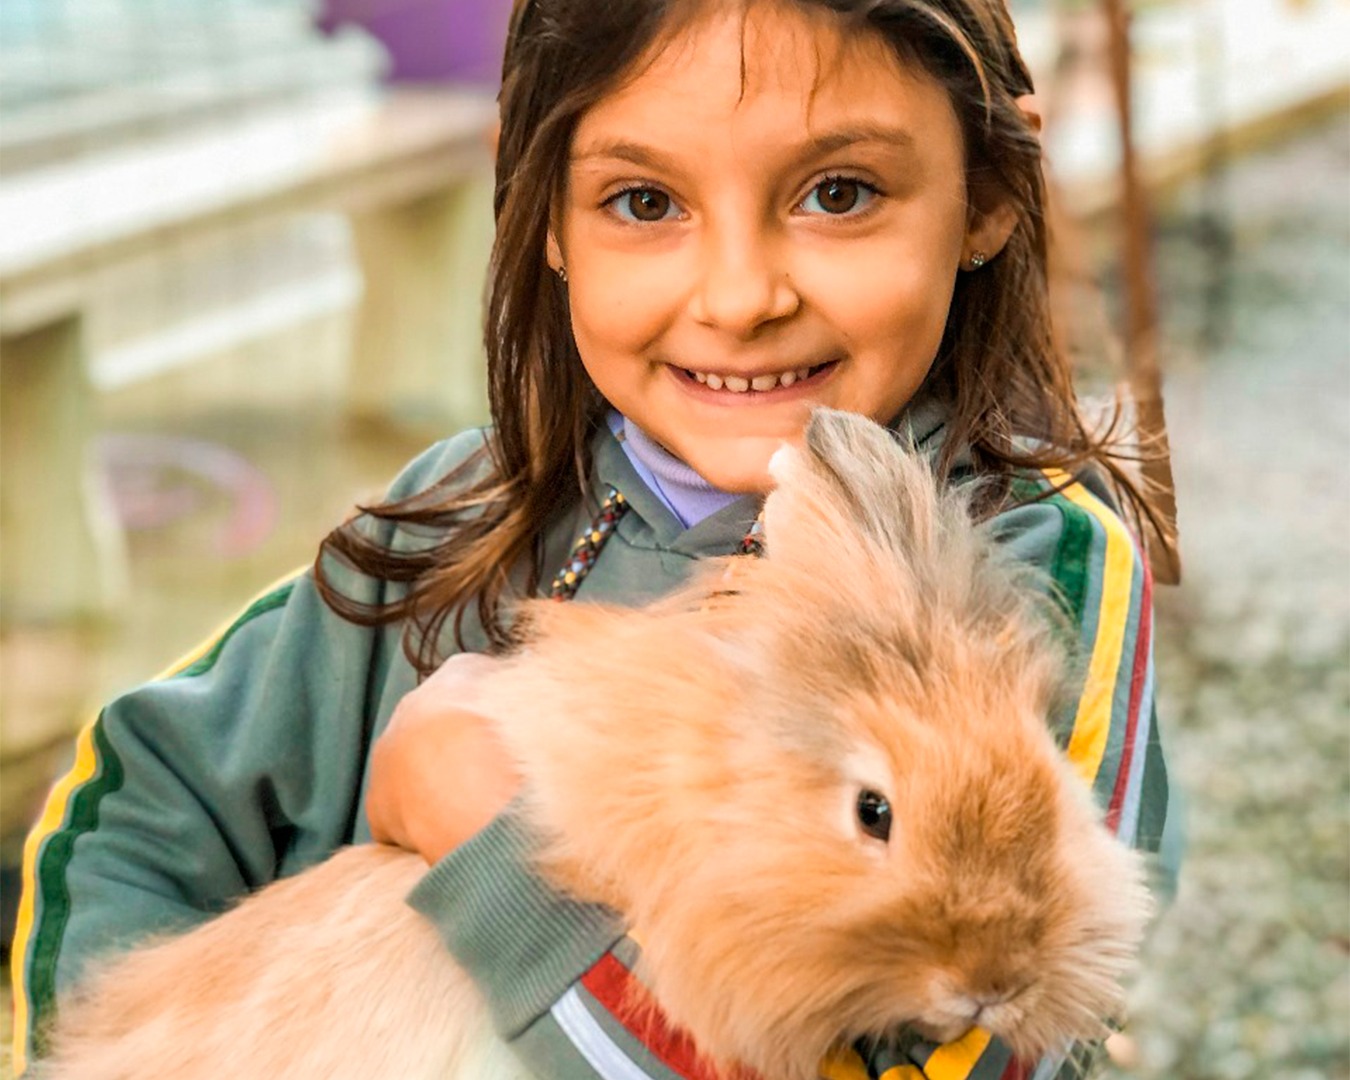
[{"x": 990, "y": 998}]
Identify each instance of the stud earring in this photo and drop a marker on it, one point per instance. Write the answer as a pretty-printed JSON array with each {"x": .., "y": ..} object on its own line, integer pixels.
[
  {"x": 562, "y": 274},
  {"x": 977, "y": 259}
]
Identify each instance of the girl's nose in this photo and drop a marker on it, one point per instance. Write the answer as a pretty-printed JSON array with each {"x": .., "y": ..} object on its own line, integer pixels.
[{"x": 743, "y": 283}]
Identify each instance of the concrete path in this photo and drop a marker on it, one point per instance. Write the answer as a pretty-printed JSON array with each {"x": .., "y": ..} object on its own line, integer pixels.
[{"x": 1249, "y": 975}]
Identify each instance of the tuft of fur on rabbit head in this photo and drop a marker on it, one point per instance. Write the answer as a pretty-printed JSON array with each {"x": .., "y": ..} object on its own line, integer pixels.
[{"x": 821, "y": 785}]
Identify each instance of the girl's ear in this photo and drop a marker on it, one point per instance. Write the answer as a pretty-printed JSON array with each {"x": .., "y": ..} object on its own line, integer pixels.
[
  {"x": 990, "y": 222},
  {"x": 1030, "y": 107},
  {"x": 992, "y": 215},
  {"x": 553, "y": 252}
]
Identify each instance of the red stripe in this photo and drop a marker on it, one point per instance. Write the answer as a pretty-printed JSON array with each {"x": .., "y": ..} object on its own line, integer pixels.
[
  {"x": 1016, "y": 1069},
  {"x": 1137, "y": 678},
  {"x": 627, "y": 1000}
]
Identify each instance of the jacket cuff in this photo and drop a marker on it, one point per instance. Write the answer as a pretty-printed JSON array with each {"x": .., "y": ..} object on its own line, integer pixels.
[{"x": 521, "y": 941}]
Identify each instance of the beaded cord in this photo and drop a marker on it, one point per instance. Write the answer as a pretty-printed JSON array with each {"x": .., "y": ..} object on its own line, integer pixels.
[
  {"x": 589, "y": 545},
  {"x": 591, "y": 542}
]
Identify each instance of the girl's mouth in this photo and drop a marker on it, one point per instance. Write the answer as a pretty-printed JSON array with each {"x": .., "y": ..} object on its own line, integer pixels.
[{"x": 758, "y": 384}]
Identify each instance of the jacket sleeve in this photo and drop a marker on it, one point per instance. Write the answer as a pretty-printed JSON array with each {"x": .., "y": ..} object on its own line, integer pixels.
[
  {"x": 556, "y": 973},
  {"x": 242, "y": 763}
]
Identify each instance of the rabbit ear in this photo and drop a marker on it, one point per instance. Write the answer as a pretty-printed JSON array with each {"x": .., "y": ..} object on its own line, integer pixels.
[{"x": 850, "y": 480}]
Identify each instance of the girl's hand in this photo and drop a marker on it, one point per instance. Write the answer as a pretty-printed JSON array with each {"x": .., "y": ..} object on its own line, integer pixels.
[{"x": 439, "y": 773}]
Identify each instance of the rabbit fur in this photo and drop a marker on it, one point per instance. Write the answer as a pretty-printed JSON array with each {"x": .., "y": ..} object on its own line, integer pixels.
[{"x": 883, "y": 644}]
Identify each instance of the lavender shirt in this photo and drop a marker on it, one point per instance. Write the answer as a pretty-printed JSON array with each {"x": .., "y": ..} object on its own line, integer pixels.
[{"x": 686, "y": 494}]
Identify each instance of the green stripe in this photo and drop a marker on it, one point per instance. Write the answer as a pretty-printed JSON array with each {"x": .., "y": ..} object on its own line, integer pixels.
[
  {"x": 1070, "y": 567},
  {"x": 1113, "y": 759},
  {"x": 992, "y": 1062},
  {"x": 273, "y": 600},
  {"x": 1074, "y": 583},
  {"x": 1153, "y": 800},
  {"x": 82, "y": 814}
]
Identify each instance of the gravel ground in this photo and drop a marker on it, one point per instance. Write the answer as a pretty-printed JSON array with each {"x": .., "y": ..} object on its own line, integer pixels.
[{"x": 1248, "y": 974}]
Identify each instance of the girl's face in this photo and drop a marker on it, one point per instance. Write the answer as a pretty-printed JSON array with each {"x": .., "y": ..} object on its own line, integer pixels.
[{"x": 768, "y": 217}]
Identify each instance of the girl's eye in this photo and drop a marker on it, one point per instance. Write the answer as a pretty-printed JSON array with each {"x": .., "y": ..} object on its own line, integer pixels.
[
  {"x": 838, "y": 195},
  {"x": 642, "y": 204},
  {"x": 874, "y": 814}
]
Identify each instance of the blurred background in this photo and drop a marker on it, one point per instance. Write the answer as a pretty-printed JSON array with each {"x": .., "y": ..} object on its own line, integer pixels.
[{"x": 242, "y": 254}]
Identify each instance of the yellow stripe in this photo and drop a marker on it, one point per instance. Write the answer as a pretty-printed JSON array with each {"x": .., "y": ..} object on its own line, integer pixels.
[
  {"x": 1092, "y": 724},
  {"x": 956, "y": 1060},
  {"x": 54, "y": 812},
  {"x": 85, "y": 765},
  {"x": 903, "y": 1072},
  {"x": 844, "y": 1063}
]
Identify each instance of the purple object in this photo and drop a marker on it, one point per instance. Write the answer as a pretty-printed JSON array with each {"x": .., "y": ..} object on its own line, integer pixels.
[{"x": 457, "y": 41}]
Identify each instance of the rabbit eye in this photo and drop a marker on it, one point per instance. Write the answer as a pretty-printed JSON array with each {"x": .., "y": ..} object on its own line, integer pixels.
[{"x": 874, "y": 814}]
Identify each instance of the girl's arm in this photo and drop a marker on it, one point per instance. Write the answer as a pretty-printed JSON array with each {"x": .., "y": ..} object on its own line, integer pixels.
[
  {"x": 241, "y": 764},
  {"x": 192, "y": 791},
  {"x": 556, "y": 973}
]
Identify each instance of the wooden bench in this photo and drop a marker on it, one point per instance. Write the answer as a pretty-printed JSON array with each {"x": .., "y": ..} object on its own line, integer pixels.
[{"x": 410, "y": 168}]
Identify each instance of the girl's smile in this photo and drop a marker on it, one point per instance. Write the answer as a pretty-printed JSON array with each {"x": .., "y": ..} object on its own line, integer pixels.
[
  {"x": 768, "y": 216},
  {"x": 751, "y": 387}
]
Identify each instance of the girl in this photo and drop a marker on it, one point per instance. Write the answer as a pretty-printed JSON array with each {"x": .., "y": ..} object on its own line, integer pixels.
[{"x": 710, "y": 218}]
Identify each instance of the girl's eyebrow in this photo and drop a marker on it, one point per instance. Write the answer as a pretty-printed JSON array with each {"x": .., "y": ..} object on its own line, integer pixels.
[
  {"x": 647, "y": 157},
  {"x": 890, "y": 137},
  {"x": 621, "y": 150}
]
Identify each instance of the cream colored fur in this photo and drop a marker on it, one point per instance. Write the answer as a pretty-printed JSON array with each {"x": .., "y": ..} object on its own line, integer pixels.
[{"x": 882, "y": 640}]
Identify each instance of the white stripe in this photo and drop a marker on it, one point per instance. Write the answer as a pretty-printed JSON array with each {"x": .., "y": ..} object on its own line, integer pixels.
[
  {"x": 592, "y": 1041},
  {"x": 1129, "y": 812},
  {"x": 1049, "y": 1066}
]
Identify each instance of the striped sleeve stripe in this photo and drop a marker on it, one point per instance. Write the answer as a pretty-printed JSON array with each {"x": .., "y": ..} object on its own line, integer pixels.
[
  {"x": 1049, "y": 1067},
  {"x": 957, "y": 1060},
  {"x": 1108, "y": 625},
  {"x": 847, "y": 1064},
  {"x": 1130, "y": 773},
  {"x": 624, "y": 999},
  {"x": 591, "y": 1040},
  {"x": 72, "y": 810},
  {"x": 974, "y": 1056},
  {"x": 1132, "y": 810},
  {"x": 1016, "y": 1069},
  {"x": 68, "y": 799}
]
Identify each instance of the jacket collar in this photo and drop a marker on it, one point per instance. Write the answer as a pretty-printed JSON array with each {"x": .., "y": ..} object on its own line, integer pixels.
[{"x": 650, "y": 524}]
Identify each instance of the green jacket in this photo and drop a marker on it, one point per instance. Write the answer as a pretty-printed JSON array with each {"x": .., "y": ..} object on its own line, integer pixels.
[{"x": 249, "y": 762}]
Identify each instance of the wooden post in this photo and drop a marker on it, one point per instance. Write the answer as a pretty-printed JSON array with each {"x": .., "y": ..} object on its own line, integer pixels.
[
  {"x": 418, "y": 356},
  {"x": 63, "y": 555},
  {"x": 1141, "y": 320}
]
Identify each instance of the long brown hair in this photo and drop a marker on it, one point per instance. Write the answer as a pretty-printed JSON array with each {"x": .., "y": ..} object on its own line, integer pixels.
[{"x": 1009, "y": 386}]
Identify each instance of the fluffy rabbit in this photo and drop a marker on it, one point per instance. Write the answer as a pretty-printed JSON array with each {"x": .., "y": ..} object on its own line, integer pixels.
[{"x": 843, "y": 750}]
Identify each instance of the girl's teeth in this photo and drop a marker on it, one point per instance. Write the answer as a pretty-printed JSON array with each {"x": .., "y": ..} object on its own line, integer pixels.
[{"x": 738, "y": 384}]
